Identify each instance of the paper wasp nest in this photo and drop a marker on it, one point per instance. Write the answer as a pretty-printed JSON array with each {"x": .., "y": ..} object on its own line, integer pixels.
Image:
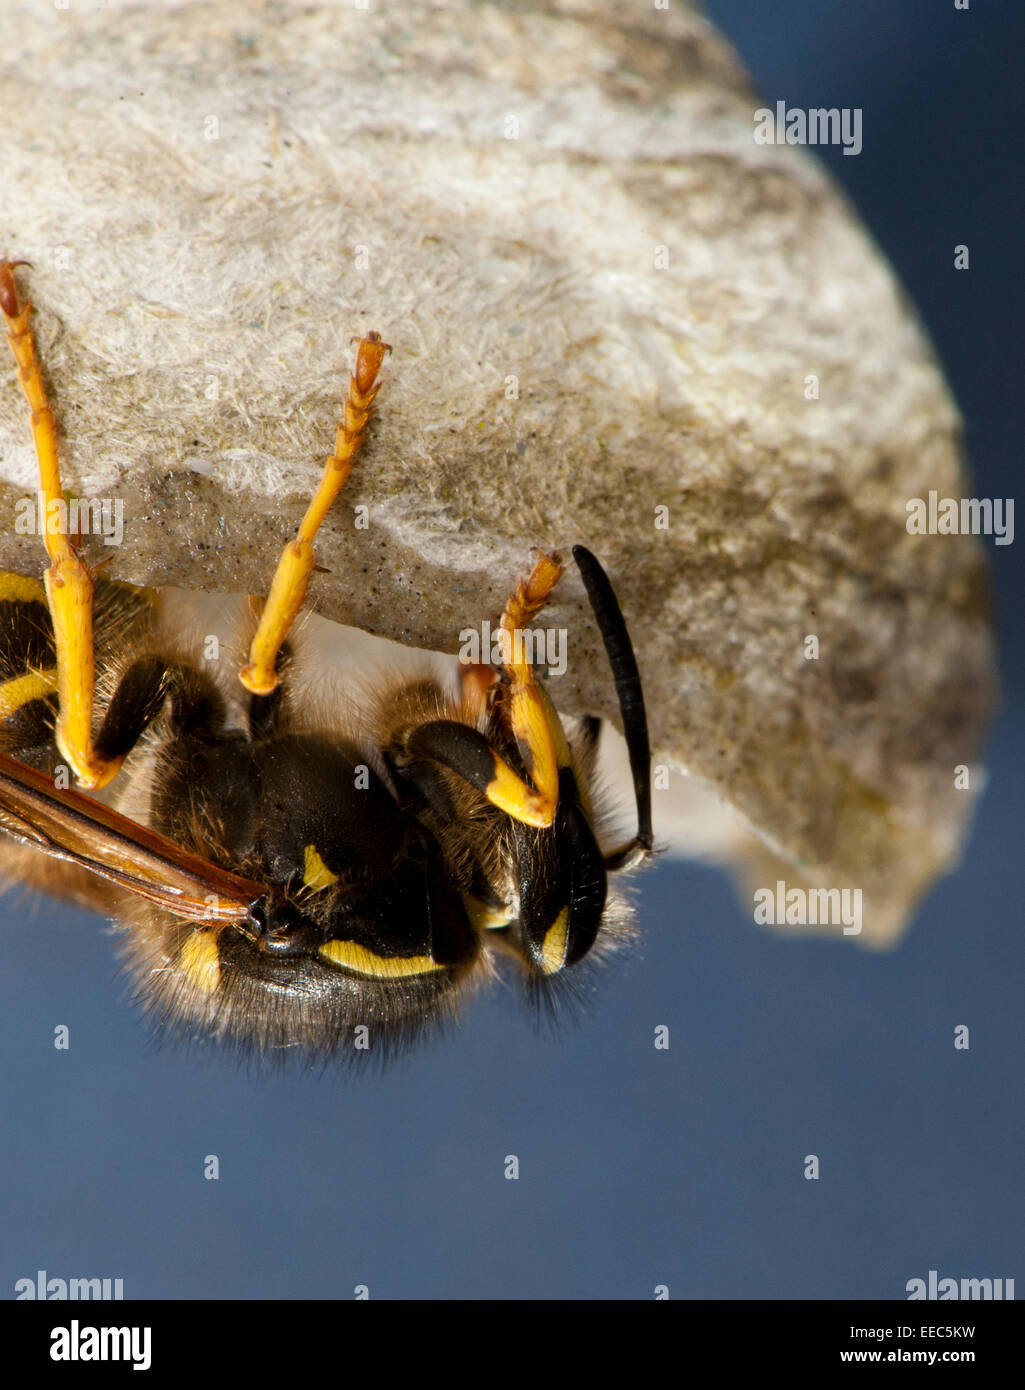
[{"x": 607, "y": 303}]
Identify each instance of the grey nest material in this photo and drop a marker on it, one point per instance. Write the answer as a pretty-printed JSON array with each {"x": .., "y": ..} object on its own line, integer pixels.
[{"x": 604, "y": 298}]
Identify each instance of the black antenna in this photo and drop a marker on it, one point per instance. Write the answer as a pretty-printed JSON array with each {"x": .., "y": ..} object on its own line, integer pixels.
[{"x": 619, "y": 649}]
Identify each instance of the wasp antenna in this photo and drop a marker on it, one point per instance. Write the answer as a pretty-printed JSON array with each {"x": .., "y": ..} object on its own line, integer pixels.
[{"x": 619, "y": 649}]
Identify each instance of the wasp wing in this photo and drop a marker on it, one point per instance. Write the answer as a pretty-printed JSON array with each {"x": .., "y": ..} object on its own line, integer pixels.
[{"x": 71, "y": 826}]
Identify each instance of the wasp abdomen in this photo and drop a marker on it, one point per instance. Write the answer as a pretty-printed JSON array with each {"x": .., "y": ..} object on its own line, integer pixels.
[{"x": 28, "y": 670}]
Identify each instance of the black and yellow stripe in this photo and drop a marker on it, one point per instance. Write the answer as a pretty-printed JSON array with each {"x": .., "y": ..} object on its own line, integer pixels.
[{"x": 28, "y": 667}]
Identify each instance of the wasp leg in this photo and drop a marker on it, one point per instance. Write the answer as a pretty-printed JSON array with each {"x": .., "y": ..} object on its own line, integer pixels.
[
  {"x": 292, "y": 576},
  {"x": 467, "y": 752},
  {"x": 267, "y": 714},
  {"x": 142, "y": 692},
  {"x": 530, "y": 713},
  {"x": 69, "y": 589},
  {"x": 527, "y": 711}
]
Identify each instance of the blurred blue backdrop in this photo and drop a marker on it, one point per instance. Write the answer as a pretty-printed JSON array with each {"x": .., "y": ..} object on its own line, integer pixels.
[{"x": 638, "y": 1167}]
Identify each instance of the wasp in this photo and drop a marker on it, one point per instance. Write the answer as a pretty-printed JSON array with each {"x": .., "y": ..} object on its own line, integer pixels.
[{"x": 283, "y": 882}]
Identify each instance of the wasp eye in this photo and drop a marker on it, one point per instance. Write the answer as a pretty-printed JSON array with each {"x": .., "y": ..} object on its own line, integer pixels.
[
  {"x": 562, "y": 894},
  {"x": 282, "y": 930}
]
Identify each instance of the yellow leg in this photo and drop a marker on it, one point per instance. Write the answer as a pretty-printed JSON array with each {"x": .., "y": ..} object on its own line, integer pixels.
[
  {"x": 69, "y": 588},
  {"x": 531, "y": 714},
  {"x": 292, "y": 577}
]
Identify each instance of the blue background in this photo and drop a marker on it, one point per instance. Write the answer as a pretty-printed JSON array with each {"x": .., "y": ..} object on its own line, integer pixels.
[{"x": 638, "y": 1167}]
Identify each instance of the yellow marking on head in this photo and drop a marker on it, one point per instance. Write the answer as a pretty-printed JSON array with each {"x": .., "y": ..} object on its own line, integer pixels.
[
  {"x": 484, "y": 917},
  {"x": 16, "y": 588},
  {"x": 364, "y": 962},
  {"x": 316, "y": 875},
  {"x": 200, "y": 959},
  {"x": 19, "y": 691},
  {"x": 556, "y": 944}
]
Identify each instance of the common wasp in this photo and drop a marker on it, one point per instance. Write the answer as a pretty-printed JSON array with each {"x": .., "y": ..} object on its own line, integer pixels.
[{"x": 287, "y": 881}]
